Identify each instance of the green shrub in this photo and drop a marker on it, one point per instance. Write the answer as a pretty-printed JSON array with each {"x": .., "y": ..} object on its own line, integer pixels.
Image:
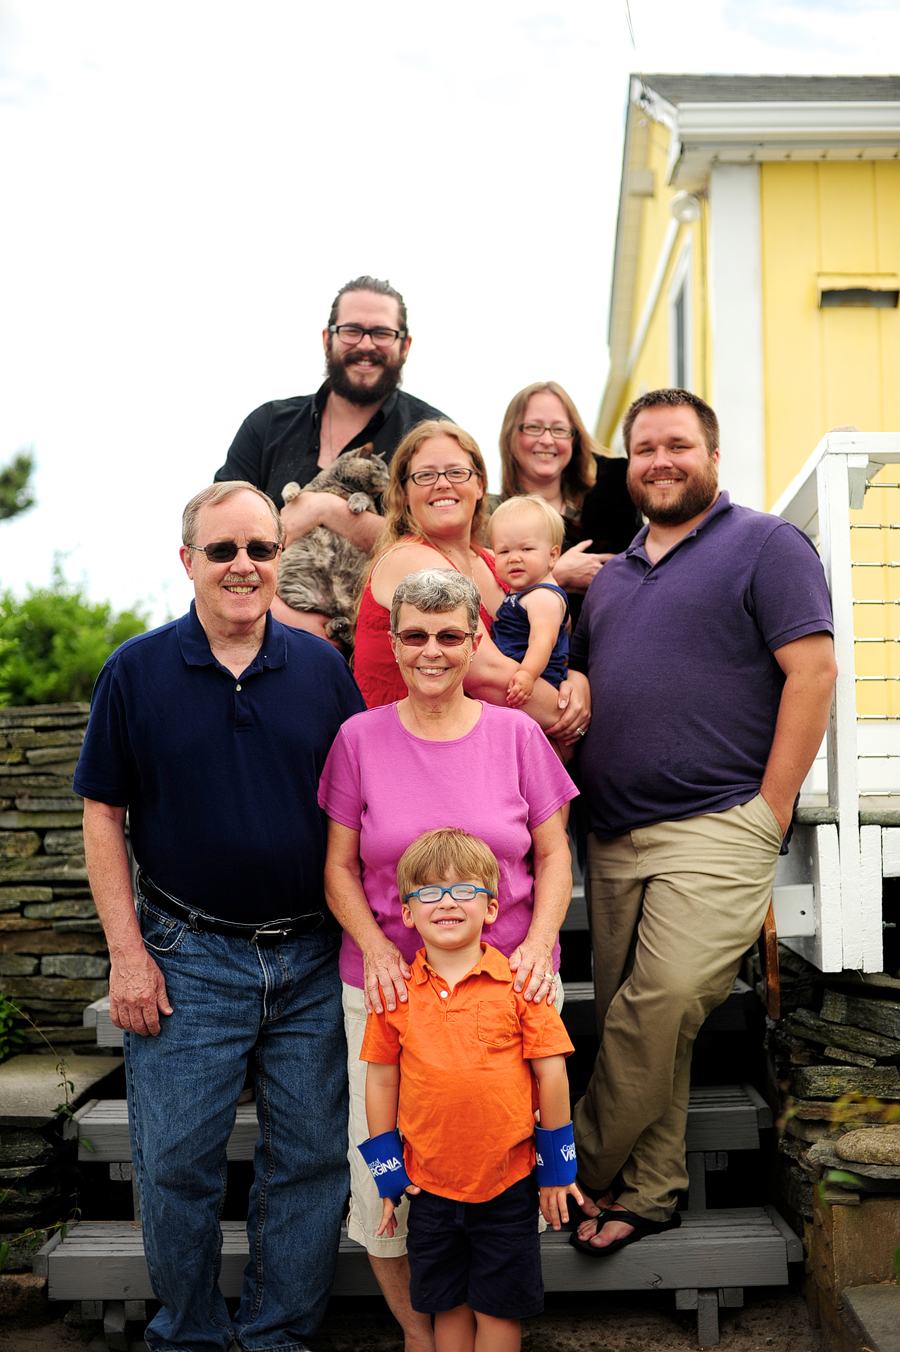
[
  {"x": 10, "y": 1018},
  {"x": 15, "y": 489},
  {"x": 54, "y": 642}
]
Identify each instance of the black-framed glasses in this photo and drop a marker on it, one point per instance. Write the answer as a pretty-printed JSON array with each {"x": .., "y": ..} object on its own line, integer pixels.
[
  {"x": 558, "y": 431},
  {"x": 446, "y": 638},
  {"x": 351, "y": 334},
  {"x": 223, "y": 551},
  {"x": 458, "y": 891},
  {"x": 455, "y": 475}
]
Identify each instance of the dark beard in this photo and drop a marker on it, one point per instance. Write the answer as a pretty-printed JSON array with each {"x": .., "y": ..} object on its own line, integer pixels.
[
  {"x": 340, "y": 383},
  {"x": 699, "y": 494}
]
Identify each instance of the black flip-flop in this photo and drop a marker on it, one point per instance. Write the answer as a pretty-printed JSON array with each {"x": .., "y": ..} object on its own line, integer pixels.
[
  {"x": 577, "y": 1216},
  {"x": 642, "y": 1228}
]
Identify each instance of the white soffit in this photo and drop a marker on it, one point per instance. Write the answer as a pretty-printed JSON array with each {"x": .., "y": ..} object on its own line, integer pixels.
[
  {"x": 735, "y": 133},
  {"x": 860, "y": 123}
]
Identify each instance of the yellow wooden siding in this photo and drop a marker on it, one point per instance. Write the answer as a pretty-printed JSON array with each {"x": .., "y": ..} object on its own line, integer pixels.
[
  {"x": 833, "y": 367},
  {"x": 875, "y": 540},
  {"x": 826, "y": 368},
  {"x": 887, "y": 243},
  {"x": 792, "y": 367},
  {"x": 652, "y": 368}
]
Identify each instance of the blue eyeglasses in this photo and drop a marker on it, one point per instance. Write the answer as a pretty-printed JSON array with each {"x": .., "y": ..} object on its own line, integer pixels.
[{"x": 458, "y": 891}]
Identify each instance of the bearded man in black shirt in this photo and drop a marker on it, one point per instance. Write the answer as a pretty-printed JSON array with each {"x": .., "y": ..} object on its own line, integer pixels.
[{"x": 366, "y": 343}]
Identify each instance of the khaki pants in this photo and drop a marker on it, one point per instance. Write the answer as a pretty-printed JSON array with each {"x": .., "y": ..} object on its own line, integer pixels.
[{"x": 673, "y": 908}]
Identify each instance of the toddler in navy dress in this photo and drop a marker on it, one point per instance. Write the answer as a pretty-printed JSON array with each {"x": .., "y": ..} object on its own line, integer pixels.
[{"x": 526, "y": 536}]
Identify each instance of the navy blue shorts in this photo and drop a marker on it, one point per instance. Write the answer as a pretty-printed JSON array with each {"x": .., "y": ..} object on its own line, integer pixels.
[{"x": 486, "y": 1255}]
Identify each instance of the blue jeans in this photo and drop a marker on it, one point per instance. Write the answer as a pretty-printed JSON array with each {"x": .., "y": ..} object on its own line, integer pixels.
[{"x": 277, "y": 1009}]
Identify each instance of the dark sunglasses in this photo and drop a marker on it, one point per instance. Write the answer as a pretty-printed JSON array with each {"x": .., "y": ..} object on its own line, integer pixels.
[
  {"x": 447, "y": 638},
  {"x": 223, "y": 551}
]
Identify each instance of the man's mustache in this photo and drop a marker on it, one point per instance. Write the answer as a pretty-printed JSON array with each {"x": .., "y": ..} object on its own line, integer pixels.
[{"x": 375, "y": 357}]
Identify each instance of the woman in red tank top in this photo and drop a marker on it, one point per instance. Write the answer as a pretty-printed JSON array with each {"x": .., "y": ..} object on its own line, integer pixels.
[{"x": 435, "y": 505}]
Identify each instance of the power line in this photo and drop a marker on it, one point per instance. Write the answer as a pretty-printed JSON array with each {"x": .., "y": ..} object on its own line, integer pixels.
[{"x": 630, "y": 26}]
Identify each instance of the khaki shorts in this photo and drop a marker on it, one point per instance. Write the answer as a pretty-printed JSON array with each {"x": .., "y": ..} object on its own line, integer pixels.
[{"x": 365, "y": 1204}]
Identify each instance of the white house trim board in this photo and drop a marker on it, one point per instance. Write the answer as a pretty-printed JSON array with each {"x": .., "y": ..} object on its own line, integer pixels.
[
  {"x": 890, "y": 844},
  {"x": 843, "y": 768},
  {"x": 870, "y": 887},
  {"x": 796, "y": 123},
  {"x": 735, "y": 267},
  {"x": 867, "y": 453},
  {"x": 652, "y": 296},
  {"x": 813, "y": 860},
  {"x": 681, "y": 288}
]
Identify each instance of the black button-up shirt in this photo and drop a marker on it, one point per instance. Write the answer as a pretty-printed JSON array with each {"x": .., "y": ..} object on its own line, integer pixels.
[{"x": 279, "y": 441}]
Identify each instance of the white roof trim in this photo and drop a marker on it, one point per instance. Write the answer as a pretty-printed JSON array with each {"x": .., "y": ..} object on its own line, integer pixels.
[
  {"x": 647, "y": 99},
  {"x": 722, "y": 123}
]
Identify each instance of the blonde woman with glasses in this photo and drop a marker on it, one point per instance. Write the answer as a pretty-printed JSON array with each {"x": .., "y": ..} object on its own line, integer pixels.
[{"x": 435, "y": 510}]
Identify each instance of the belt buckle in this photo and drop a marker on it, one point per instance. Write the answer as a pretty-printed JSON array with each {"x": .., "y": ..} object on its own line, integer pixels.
[{"x": 263, "y": 934}]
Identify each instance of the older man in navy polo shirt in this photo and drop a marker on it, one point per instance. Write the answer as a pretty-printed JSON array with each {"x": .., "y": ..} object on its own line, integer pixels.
[
  {"x": 211, "y": 733},
  {"x": 709, "y": 651}
]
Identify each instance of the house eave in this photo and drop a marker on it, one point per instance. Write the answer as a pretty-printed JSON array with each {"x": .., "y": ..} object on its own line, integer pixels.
[{"x": 705, "y": 134}]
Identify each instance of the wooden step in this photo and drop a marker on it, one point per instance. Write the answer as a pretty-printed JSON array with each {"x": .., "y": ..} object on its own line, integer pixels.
[
  {"x": 720, "y": 1117},
  {"x": 576, "y": 916},
  {"x": 577, "y": 1014},
  {"x": 104, "y": 1260},
  {"x": 749, "y": 1246},
  {"x": 726, "y": 1117},
  {"x": 97, "y": 1016},
  {"x": 732, "y": 1016}
]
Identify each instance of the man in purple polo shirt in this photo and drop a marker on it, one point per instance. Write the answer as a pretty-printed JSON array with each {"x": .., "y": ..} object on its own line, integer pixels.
[{"x": 709, "y": 651}]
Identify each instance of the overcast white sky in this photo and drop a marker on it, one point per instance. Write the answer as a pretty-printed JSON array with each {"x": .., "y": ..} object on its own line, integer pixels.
[{"x": 186, "y": 185}]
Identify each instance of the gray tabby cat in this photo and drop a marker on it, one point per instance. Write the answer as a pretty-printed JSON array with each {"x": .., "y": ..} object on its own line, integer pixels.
[{"x": 322, "y": 571}]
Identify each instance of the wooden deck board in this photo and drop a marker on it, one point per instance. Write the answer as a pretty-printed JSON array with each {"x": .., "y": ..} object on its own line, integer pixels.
[
  {"x": 720, "y": 1117},
  {"x": 104, "y": 1260},
  {"x": 733, "y": 1015}
]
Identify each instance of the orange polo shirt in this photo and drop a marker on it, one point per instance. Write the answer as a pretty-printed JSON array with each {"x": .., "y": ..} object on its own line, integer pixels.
[{"x": 467, "y": 1094}]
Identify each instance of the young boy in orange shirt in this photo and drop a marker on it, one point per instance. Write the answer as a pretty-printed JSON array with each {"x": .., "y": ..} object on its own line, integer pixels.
[{"x": 467, "y": 1060}]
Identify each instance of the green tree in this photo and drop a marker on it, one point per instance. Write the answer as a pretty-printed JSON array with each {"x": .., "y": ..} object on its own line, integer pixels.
[
  {"x": 54, "y": 642},
  {"x": 15, "y": 491}
]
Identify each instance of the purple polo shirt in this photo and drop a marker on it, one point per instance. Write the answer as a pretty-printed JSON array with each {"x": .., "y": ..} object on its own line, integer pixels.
[{"x": 684, "y": 686}]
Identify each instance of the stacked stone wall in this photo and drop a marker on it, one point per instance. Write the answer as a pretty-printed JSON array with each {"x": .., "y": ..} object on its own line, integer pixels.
[{"x": 53, "y": 956}]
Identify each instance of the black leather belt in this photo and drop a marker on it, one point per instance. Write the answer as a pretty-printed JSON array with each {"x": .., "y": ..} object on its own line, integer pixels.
[{"x": 273, "y": 931}]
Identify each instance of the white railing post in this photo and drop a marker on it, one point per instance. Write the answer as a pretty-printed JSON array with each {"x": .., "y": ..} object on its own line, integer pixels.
[
  {"x": 846, "y": 869},
  {"x": 833, "y": 492}
]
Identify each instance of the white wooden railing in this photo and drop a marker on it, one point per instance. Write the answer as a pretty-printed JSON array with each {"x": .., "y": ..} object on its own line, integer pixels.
[{"x": 828, "y": 889}]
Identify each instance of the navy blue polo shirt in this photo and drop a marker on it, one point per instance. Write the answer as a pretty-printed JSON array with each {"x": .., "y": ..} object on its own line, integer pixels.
[
  {"x": 220, "y": 774},
  {"x": 684, "y": 687}
]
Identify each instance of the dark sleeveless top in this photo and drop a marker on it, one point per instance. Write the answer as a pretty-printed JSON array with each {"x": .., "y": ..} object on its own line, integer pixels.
[{"x": 512, "y": 632}]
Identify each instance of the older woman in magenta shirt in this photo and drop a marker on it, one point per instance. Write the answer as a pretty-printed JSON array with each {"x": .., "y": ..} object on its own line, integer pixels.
[{"x": 436, "y": 758}]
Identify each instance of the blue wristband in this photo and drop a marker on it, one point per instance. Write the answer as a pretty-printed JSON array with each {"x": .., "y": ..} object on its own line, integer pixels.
[
  {"x": 556, "y": 1164},
  {"x": 384, "y": 1156}
]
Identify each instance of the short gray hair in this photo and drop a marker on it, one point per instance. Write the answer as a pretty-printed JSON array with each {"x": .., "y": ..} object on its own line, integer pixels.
[
  {"x": 221, "y": 492},
  {"x": 434, "y": 591}
]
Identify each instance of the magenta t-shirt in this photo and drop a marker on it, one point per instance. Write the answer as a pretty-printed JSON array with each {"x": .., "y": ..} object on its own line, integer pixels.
[{"x": 498, "y": 782}]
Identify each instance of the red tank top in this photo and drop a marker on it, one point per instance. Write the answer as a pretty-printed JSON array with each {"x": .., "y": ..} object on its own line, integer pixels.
[{"x": 374, "y": 664}]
